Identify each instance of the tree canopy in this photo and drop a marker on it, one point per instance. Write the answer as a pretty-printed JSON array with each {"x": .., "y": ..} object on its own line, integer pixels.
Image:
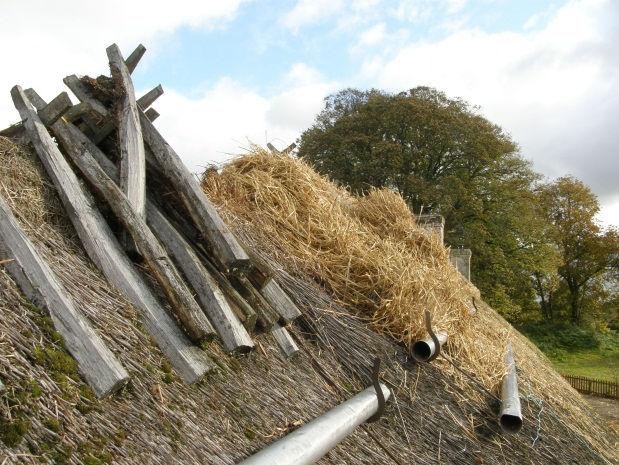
[
  {"x": 442, "y": 156},
  {"x": 589, "y": 256}
]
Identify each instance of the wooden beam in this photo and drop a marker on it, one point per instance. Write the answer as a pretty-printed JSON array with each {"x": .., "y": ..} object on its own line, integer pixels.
[
  {"x": 267, "y": 317},
  {"x": 221, "y": 241},
  {"x": 279, "y": 300},
  {"x": 242, "y": 308},
  {"x": 149, "y": 97},
  {"x": 178, "y": 294},
  {"x": 132, "y": 60},
  {"x": 233, "y": 335},
  {"x": 272, "y": 148},
  {"x": 151, "y": 114},
  {"x": 83, "y": 94},
  {"x": 131, "y": 145},
  {"x": 76, "y": 111},
  {"x": 143, "y": 102},
  {"x": 285, "y": 342},
  {"x": 102, "y": 371},
  {"x": 104, "y": 249},
  {"x": 261, "y": 276},
  {"x": 55, "y": 109}
]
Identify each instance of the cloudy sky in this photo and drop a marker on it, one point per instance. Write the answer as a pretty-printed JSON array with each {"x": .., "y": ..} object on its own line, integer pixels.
[{"x": 237, "y": 71}]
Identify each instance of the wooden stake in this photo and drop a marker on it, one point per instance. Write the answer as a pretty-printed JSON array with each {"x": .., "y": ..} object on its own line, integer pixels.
[
  {"x": 287, "y": 345},
  {"x": 224, "y": 245},
  {"x": 233, "y": 335},
  {"x": 183, "y": 304},
  {"x": 102, "y": 247},
  {"x": 149, "y": 97},
  {"x": 135, "y": 57},
  {"x": 84, "y": 95},
  {"x": 131, "y": 145},
  {"x": 102, "y": 371}
]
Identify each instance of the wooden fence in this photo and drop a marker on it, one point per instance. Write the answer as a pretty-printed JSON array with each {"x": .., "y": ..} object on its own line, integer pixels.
[{"x": 595, "y": 387}]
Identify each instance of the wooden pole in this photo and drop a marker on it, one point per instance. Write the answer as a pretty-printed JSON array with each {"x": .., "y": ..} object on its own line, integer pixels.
[
  {"x": 287, "y": 345},
  {"x": 131, "y": 145},
  {"x": 135, "y": 57},
  {"x": 222, "y": 242},
  {"x": 102, "y": 246},
  {"x": 279, "y": 300},
  {"x": 149, "y": 97},
  {"x": 84, "y": 95},
  {"x": 178, "y": 294},
  {"x": 102, "y": 371},
  {"x": 234, "y": 336}
]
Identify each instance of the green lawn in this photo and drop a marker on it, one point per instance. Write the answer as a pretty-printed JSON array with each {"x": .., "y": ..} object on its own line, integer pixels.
[
  {"x": 592, "y": 364},
  {"x": 578, "y": 351}
]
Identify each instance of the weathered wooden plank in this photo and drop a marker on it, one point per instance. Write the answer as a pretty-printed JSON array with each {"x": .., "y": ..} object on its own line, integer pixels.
[
  {"x": 76, "y": 111},
  {"x": 84, "y": 95},
  {"x": 151, "y": 114},
  {"x": 135, "y": 57},
  {"x": 144, "y": 102},
  {"x": 279, "y": 300},
  {"x": 102, "y": 371},
  {"x": 130, "y": 143},
  {"x": 55, "y": 109},
  {"x": 233, "y": 335},
  {"x": 105, "y": 251},
  {"x": 178, "y": 294},
  {"x": 240, "y": 306},
  {"x": 283, "y": 338},
  {"x": 224, "y": 245},
  {"x": 267, "y": 317},
  {"x": 149, "y": 97}
]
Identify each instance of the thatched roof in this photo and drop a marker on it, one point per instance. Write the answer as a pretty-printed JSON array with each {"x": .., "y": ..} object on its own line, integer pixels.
[{"x": 48, "y": 414}]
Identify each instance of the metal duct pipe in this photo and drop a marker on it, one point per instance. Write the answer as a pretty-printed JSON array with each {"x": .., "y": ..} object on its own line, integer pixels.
[
  {"x": 312, "y": 441},
  {"x": 510, "y": 417},
  {"x": 424, "y": 350}
]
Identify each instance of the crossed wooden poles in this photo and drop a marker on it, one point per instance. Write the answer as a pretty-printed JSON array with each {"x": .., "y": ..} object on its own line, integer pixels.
[{"x": 213, "y": 287}]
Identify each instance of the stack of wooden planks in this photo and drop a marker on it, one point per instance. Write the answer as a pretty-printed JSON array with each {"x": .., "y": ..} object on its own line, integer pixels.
[{"x": 133, "y": 201}]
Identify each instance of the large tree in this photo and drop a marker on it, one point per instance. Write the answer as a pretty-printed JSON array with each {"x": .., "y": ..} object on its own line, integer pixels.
[
  {"x": 442, "y": 156},
  {"x": 589, "y": 256}
]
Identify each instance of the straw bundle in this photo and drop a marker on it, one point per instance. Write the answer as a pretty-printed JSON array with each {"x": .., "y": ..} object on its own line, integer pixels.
[
  {"x": 370, "y": 254},
  {"x": 369, "y": 251}
]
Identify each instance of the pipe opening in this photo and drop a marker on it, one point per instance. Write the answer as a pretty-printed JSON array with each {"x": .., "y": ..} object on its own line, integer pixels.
[
  {"x": 511, "y": 423},
  {"x": 421, "y": 351}
]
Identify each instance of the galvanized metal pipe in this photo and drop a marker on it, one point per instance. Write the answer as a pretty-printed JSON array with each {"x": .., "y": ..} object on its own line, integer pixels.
[
  {"x": 312, "y": 441},
  {"x": 423, "y": 350},
  {"x": 510, "y": 417}
]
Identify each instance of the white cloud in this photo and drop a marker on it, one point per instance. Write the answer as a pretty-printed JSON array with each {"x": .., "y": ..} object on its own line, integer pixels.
[
  {"x": 307, "y": 12},
  {"x": 555, "y": 89},
  {"x": 455, "y": 6},
  {"x": 44, "y": 40},
  {"x": 214, "y": 126},
  {"x": 609, "y": 213},
  {"x": 374, "y": 35}
]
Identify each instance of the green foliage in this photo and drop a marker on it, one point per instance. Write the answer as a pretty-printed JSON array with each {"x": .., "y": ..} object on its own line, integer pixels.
[
  {"x": 441, "y": 156},
  {"x": 589, "y": 257},
  {"x": 577, "y": 350}
]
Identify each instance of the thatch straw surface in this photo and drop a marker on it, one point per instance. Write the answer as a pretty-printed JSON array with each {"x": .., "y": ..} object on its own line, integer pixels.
[
  {"x": 48, "y": 415},
  {"x": 379, "y": 264}
]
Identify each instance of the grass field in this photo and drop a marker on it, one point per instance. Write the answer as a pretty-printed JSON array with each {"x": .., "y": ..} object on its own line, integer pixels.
[
  {"x": 591, "y": 364},
  {"x": 578, "y": 351}
]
